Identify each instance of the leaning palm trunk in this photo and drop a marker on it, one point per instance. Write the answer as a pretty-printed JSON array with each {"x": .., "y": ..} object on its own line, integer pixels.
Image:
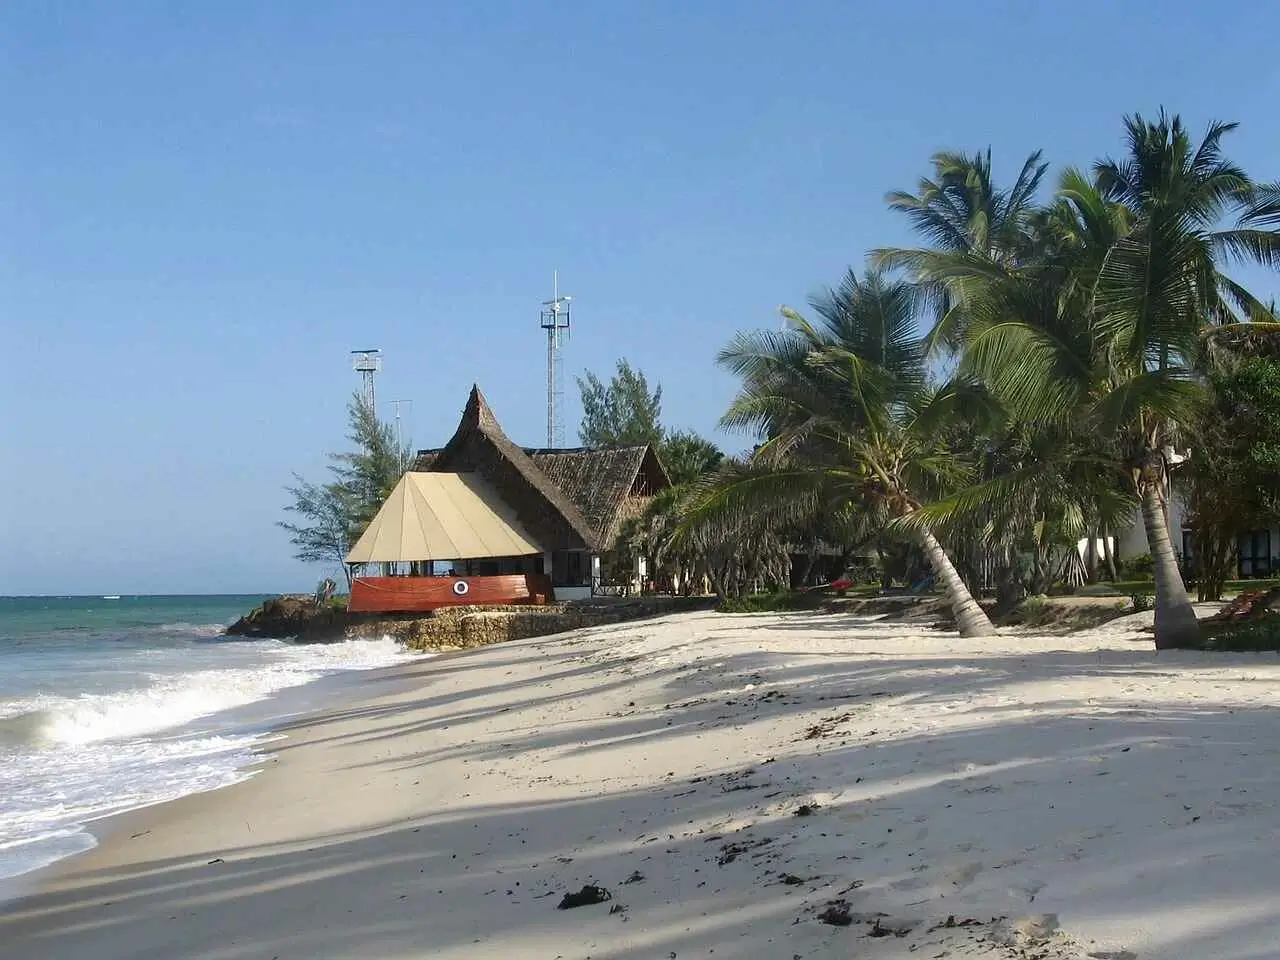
[
  {"x": 1176, "y": 624},
  {"x": 970, "y": 618}
]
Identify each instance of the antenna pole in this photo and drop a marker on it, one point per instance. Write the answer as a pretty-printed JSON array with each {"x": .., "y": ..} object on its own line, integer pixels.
[
  {"x": 396, "y": 406},
  {"x": 555, "y": 321}
]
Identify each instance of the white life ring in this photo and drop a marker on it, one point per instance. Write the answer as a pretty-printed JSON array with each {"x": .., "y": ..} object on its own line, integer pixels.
[{"x": 460, "y": 588}]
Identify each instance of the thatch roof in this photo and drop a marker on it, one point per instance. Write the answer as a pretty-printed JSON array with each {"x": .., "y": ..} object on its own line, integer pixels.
[
  {"x": 479, "y": 445},
  {"x": 599, "y": 482},
  {"x": 587, "y": 489}
]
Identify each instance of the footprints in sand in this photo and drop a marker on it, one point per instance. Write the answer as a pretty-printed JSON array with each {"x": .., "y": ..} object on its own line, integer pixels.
[
  {"x": 923, "y": 831},
  {"x": 962, "y": 876},
  {"x": 1026, "y": 891}
]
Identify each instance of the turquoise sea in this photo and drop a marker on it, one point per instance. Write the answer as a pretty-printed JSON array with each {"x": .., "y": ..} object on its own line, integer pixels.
[{"x": 108, "y": 704}]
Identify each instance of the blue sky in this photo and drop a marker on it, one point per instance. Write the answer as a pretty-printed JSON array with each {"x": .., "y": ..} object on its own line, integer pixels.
[{"x": 204, "y": 207}]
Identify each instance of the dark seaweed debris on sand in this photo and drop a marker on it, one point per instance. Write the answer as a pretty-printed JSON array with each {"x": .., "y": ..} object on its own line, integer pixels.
[
  {"x": 836, "y": 915},
  {"x": 585, "y": 897}
]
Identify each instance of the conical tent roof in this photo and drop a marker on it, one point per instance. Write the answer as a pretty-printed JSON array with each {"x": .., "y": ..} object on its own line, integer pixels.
[{"x": 442, "y": 516}]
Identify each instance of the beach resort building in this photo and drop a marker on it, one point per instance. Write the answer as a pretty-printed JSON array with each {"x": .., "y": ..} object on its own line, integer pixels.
[
  {"x": 483, "y": 520},
  {"x": 1257, "y": 550}
]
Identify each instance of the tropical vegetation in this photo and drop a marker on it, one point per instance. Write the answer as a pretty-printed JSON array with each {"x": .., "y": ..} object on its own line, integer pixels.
[
  {"x": 1049, "y": 362},
  {"x": 1041, "y": 366},
  {"x": 332, "y": 515}
]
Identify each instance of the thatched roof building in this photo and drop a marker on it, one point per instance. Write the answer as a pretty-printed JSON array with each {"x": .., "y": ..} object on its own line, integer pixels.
[{"x": 569, "y": 499}]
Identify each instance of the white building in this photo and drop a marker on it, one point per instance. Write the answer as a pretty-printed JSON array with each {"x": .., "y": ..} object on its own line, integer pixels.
[{"x": 1257, "y": 551}]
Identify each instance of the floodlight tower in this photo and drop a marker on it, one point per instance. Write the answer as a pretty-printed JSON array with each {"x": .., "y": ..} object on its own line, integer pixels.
[
  {"x": 367, "y": 363},
  {"x": 555, "y": 321}
]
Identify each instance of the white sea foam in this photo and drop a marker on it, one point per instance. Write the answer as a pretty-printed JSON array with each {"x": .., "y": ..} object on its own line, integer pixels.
[
  {"x": 173, "y": 700},
  {"x": 190, "y": 629},
  {"x": 65, "y": 760}
]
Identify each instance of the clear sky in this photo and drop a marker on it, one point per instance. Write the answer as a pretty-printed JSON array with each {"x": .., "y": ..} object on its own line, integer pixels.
[{"x": 204, "y": 207}]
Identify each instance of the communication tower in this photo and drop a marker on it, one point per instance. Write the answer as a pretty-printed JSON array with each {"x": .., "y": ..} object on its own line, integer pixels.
[
  {"x": 555, "y": 321},
  {"x": 367, "y": 363}
]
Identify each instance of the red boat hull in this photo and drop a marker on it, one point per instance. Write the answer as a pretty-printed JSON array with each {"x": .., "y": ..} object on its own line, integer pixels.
[{"x": 418, "y": 594}]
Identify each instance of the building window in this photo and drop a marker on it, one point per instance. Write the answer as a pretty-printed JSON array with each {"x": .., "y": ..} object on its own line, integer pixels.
[
  {"x": 571, "y": 568},
  {"x": 1254, "y": 552}
]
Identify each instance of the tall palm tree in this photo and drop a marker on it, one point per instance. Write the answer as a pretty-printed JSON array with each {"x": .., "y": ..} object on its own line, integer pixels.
[
  {"x": 1161, "y": 283},
  {"x": 973, "y": 227},
  {"x": 1097, "y": 336},
  {"x": 846, "y": 417}
]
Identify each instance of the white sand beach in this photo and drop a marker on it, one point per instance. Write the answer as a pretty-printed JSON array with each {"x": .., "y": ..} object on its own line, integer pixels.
[{"x": 728, "y": 779}]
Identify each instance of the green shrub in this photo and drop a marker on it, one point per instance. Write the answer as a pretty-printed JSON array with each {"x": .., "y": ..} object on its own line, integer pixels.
[
  {"x": 768, "y": 602},
  {"x": 1254, "y": 636},
  {"x": 1136, "y": 568}
]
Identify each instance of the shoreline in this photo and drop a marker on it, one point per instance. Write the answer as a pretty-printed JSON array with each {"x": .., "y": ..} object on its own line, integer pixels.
[
  {"x": 269, "y": 728},
  {"x": 730, "y": 780},
  {"x": 220, "y": 747}
]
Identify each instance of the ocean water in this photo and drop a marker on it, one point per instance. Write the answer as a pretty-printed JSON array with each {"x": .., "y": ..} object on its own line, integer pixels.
[{"x": 108, "y": 704}]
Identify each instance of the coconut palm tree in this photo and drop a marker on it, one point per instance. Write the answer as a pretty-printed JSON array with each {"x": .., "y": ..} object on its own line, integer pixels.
[
  {"x": 972, "y": 225},
  {"x": 846, "y": 417},
  {"x": 1096, "y": 337}
]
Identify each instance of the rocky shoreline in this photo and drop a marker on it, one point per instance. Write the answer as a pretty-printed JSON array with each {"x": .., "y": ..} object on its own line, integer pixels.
[{"x": 451, "y": 628}]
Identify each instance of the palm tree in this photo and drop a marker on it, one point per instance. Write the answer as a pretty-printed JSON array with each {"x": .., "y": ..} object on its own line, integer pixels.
[
  {"x": 972, "y": 226},
  {"x": 1161, "y": 283},
  {"x": 734, "y": 554},
  {"x": 846, "y": 417},
  {"x": 687, "y": 456},
  {"x": 1095, "y": 338},
  {"x": 651, "y": 535}
]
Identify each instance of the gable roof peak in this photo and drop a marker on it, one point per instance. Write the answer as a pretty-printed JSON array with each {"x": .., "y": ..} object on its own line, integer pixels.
[
  {"x": 478, "y": 420},
  {"x": 477, "y": 414}
]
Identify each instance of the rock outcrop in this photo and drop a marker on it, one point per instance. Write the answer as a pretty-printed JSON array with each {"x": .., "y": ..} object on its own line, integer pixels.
[{"x": 292, "y": 615}]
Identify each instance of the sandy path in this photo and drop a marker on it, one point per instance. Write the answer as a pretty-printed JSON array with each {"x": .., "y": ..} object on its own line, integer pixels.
[{"x": 728, "y": 778}]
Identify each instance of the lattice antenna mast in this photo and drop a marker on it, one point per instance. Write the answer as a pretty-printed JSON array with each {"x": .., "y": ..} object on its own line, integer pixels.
[
  {"x": 367, "y": 363},
  {"x": 555, "y": 321}
]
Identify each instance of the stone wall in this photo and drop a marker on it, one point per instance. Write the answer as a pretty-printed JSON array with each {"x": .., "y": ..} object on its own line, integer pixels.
[
  {"x": 450, "y": 628},
  {"x": 462, "y": 628}
]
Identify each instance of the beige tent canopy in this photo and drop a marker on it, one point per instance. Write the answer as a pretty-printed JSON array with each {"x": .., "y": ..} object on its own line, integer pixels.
[{"x": 442, "y": 516}]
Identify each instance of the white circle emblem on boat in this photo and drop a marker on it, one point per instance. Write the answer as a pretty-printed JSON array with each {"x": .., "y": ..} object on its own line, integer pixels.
[{"x": 460, "y": 587}]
